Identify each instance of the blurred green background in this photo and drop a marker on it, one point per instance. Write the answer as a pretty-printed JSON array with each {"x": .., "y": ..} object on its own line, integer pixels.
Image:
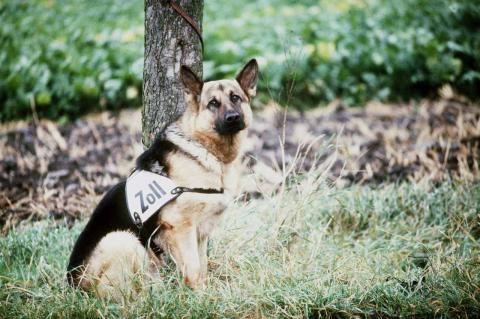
[{"x": 66, "y": 58}]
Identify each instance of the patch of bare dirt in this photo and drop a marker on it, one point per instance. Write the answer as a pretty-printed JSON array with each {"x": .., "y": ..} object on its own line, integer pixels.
[
  {"x": 428, "y": 141},
  {"x": 60, "y": 171}
]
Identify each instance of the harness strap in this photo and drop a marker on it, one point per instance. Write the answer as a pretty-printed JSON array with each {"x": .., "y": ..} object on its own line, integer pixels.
[{"x": 181, "y": 189}]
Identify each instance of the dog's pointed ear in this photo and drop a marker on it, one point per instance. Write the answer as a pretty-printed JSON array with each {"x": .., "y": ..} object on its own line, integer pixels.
[
  {"x": 193, "y": 85},
  {"x": 248, "y": 77}
]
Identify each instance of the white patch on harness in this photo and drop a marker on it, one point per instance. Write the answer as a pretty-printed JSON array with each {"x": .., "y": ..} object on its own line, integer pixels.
[{"x": 146, "y": 193}]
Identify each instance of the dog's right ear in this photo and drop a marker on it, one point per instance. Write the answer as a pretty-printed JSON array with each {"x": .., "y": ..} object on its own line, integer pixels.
[{"x": 193, "y": 85}]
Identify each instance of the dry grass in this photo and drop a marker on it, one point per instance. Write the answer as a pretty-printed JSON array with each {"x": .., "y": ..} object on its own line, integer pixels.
[
  {"x": 52, "y": 170},
  {"x": 425, "y": 141},
  {"x": 59, "y": 171},
  {"x": 399, "y": 251},
  {"x": 302, "y": 249}
]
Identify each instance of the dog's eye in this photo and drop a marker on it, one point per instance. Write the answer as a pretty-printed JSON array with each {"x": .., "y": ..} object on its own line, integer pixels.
[
  {"x": 213, "y": 104},
  {"x": 234, "y": 98}
]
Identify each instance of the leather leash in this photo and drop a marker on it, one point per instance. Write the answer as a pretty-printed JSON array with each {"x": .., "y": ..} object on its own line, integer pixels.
[{"x": 178, "y": 9}]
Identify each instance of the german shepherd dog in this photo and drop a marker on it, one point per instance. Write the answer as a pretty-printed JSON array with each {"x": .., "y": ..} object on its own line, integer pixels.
[{"x": 201, "y": 150}]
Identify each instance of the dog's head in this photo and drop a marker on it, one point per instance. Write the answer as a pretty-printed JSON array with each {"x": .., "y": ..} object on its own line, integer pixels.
[{"x": 220, "y": 107}]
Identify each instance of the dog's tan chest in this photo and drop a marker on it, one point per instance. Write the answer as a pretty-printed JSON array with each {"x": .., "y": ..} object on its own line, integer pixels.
[
  {"x": 193, "y": 208},
  {"x": 188, "y": 172}
]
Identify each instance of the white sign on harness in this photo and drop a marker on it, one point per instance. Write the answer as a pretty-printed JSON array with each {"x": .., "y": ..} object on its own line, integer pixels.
[{"x": 146, "y": 193}]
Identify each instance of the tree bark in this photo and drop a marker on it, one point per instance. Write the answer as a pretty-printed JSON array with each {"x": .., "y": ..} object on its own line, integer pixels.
[{"x": 170, "y": 42}]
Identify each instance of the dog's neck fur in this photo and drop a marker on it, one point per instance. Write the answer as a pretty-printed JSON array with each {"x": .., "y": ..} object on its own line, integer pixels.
[
  {"x": 190, "y": 146},
  {"x": 225, "y": 148}
]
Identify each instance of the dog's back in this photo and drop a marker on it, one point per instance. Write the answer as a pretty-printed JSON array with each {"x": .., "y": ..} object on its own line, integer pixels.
[
  {"x": 111, "y": 214},
  {"x": 108, "y": 216}
]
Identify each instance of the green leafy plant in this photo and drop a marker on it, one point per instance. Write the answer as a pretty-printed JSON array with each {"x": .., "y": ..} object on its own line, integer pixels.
[
  {"x": 64, "y": 59},
  {"x": 353, "y": 50}
]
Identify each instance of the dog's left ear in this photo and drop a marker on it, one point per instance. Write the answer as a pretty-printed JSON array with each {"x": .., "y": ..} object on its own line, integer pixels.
[
  {"x": 247, "y": 78},
  {"x": 193, "y": 85}
]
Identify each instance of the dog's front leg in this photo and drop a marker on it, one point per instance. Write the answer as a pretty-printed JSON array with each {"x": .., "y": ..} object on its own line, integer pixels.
[
  {"x": 202, "y": 254},
  {"x": 183, "y": 246}
]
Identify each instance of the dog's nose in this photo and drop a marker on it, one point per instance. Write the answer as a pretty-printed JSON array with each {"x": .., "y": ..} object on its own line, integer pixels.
[
  {"x": 232, "y": 117},
  {"x": 231, "y": 123}
]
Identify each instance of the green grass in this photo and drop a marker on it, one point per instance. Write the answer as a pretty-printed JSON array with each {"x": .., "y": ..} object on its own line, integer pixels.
[{"x": 397, "y": 250}]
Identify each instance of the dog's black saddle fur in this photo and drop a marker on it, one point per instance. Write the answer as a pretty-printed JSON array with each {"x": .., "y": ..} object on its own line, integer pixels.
[{"x": 112, "y": 214}]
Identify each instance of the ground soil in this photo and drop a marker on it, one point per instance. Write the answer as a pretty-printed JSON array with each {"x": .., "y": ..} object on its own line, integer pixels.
[{"x": 59, "y": 171}]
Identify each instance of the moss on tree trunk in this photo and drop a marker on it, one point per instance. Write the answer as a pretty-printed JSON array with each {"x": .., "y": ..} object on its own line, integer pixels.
[{"x": 169, "y": 43}]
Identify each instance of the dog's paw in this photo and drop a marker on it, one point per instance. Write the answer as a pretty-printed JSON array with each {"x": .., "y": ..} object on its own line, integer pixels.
[{"x": 198, "y": 284}]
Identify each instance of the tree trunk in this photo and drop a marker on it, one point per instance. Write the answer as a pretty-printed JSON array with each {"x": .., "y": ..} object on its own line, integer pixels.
[{"x": 170, "y": 41}]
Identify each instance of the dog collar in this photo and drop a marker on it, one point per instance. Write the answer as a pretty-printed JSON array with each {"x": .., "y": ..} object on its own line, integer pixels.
[{"x": 146, "y": 193}]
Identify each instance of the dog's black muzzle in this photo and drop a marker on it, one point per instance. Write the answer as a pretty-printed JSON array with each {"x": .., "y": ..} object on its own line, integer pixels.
[{"x": 231, "y": 123}]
